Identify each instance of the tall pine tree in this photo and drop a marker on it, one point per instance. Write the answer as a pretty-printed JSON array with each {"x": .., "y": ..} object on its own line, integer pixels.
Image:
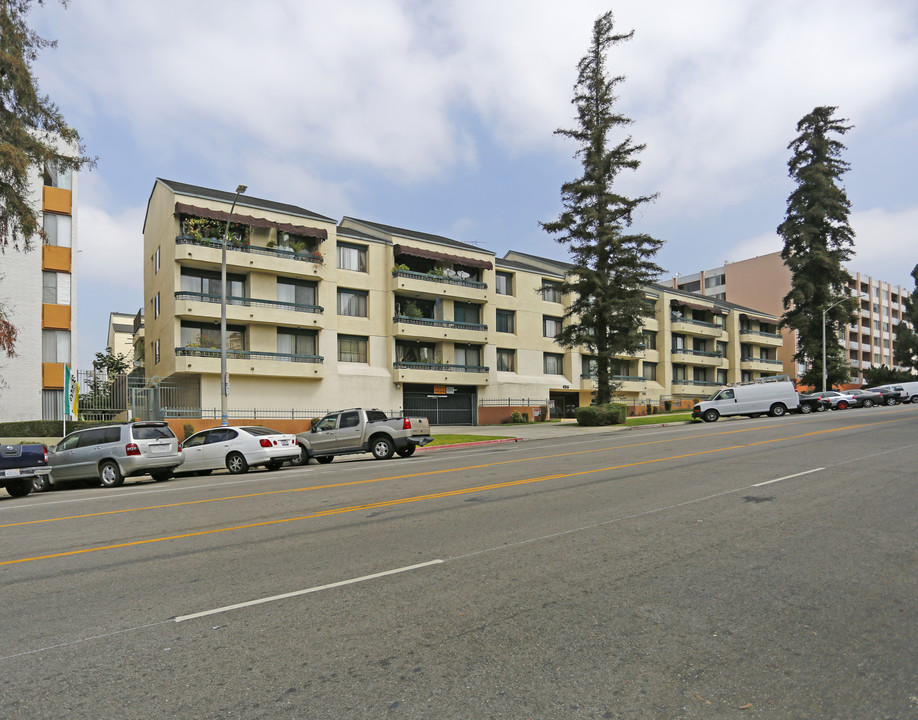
[
  {"x": 612, "y": 266},
  {"x": 906, "y": 352},
  {"x": 817, "y": 240}
]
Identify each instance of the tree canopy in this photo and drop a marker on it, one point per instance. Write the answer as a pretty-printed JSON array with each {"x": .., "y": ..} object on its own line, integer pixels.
[
  {"x": 906, "y": 352},
  {"x": 612, "y": 265},
  {"x": 817, "y": 240}
]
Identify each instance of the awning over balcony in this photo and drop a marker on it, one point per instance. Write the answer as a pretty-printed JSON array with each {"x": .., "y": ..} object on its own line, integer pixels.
[
  {"x": 760, "y": 318},
  {"x": 432, "y": 255},
  {"x": 694, "y": 306},
  {"x": 303, "y": 230}
]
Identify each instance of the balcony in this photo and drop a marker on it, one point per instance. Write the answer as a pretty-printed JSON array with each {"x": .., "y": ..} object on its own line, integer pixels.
[
  {"x": 702, "y": 388},
  {"x": 273, "y": 312},
  {"x": 243, "y": 257},
  {"x": 626, "y": 383},
  {"x": 430, "y": 329},
  {"x": 698, "y": 357},
  {"x": 761, "y": 338},
  {"x": 440, "y": 373},
  {"x": 696, "y": 327},
  {"x": 427, "y": 285},
  {"x": 250, "y": 362},
  {"x": 763, "y": 364}
]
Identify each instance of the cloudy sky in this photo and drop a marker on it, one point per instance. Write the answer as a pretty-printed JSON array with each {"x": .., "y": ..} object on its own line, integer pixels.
[{"x": 439, "y": 116}]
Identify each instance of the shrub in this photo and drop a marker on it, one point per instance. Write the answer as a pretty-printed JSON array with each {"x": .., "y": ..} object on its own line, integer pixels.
[
  {"x": 188, "y": 429},
  {"x": 543, "y": 412},
  {"x": 47, "y": 428},
  {"x": 595, "y": 415},
  {"x": 668, "y": 405}
]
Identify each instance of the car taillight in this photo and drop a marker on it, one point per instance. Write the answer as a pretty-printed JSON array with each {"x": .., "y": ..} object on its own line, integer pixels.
[
  {"x": 406, "y": 424},
  {"x": 180, "y": 447},
  {"x": 264, "y": 442},
  {"x": 132, "y": 449},
  {"x": 45, "y": 448}
]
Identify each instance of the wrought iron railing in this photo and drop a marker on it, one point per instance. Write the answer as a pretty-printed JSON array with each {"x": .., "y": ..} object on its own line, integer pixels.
[
  {"x": 256, "y": 249},
  {"x": 430, "y": 322},
  {"x": 248, "y": 302},
  {"x": 402, "y": 365},
  {"x": 439, "y": 279},
  {"x": 248, "y": 355}
]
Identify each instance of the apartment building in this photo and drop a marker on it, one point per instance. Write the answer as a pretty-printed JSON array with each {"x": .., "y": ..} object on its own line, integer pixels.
[
  {"x": 324, "y": 315},
  {"x": 120, "y": 336},
  {"x": 763, "y": 281},
  {"x": 38, "y": 289}
]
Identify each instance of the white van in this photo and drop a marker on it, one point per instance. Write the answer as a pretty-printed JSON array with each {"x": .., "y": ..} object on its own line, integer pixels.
[
  {"x": 908, "y": 391},
  {"x": 773, "y": 395}
]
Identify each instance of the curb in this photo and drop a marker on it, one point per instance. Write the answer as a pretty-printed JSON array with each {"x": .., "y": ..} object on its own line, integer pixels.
[{"x": 470, "y": 444}]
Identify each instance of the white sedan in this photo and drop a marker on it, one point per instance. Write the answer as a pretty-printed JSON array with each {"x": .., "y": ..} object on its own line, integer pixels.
[{"x": 237, "y": 449}]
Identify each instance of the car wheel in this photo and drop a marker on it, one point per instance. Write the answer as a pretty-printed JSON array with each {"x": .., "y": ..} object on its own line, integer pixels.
[
  {"x": 914, "y": 399},
  {"x": 407, "y": 451},
  {"x": 41, "y": 483},
  {"x": 868, "y": 403},
  {"x": 161, "y": 475},
  {"x": 710, "y": 415},
  {"x": 236, "y": 463},
  {"x": 891, "y": 401},
  {"x": 806, "y": 408},
  {"x": 20, "y": 487},
  {"x": 325, "y": 459},
  {"x": 842, "y": 405},
  {"x": 302, "y": 458},
  {"x": 777, "y": 410},
  {"x": 110, "y": 474},
  {"x": 381, "y": 447},
  {"x": 821, "y": 407},
  {"x": 274, "y": 465}
]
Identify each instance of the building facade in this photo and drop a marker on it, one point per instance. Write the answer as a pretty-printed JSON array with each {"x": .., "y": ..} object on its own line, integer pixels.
[
  {"x": 763, "y": 281},
  {"x": 325, "y": 315},
  {"x": 121, "y": 335},
  {"x": 38, "y": 290}
]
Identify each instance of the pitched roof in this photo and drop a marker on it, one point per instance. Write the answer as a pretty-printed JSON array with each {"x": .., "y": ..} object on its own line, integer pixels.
[{"x": 415, "y": 235}]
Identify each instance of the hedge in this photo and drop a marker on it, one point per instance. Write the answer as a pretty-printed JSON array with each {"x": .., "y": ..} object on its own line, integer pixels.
[
  {"x": 593, "y": 415},
  {"x": 46, "y": 428}
]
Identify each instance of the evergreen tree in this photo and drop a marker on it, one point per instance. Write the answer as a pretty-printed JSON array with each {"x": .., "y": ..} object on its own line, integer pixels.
[
  {"x": 906, "y": 352},
  {"x": 817, "y": 240},
  {"x": 612, "y": 266},
  {"x": 33, "y": 134}
]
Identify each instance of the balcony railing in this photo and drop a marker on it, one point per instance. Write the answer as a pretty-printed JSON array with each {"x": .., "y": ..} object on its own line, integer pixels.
[
  {"x": 619, "y": 378},
  {"x": 679, "y": 318},
  {"x": 770, "y": 336},
  {"x": 248, "y": 302},
  {"x": 256, "y": 249},
  {"x": 704, "y": 383},
  {"x": 439, "y": 367},
  {"x": 701, "y": 353},
  {"x": 767, "y": 361},
  {"x": 247, "y": 355},
  {"x": 439, "y": 279},
  {"x": 430, "y": 322}
]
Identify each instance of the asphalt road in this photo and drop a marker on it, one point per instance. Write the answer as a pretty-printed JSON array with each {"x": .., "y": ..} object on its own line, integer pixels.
[{"x": 760, "y": 568}]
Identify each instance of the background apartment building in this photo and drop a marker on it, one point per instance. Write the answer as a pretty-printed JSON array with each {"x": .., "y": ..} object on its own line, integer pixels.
[
  {"x": 324, "y": 315},
  {"x": 39, "y": 291},
  {"x": 762, "y": 282}
]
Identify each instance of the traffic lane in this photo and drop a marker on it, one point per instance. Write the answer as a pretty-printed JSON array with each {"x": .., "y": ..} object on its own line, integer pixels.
[
  {"x": 787, "y": 607},
  {"x": 207, "y": 570}
]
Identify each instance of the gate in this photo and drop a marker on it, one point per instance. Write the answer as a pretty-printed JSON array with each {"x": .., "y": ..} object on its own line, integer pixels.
[{"x": 452, "y": 409}]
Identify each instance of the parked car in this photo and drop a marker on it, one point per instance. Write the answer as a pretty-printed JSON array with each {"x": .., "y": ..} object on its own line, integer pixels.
[
  {"x": 811, "y": 404},
  {"x": 773, "y": 395},
  {"x": 23, "y": 467},
  {"x": 237, "y": 449},
  {"x": 111, "y": 453},
  {"x": 837, "y": 400},
  {"x": 891, "y": 394},
  {"x": 357, "y": 430},
  {"x": 907, "y": 391},
  {"x": 865, "y": 398}
]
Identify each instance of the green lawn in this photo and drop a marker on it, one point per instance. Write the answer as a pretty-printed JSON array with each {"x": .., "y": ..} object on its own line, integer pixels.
[
  {"x": 447, "y": 439},
  {"x": 659, "y": 418}
]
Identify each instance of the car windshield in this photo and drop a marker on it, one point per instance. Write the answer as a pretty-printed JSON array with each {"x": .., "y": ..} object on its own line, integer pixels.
[
  {"x": 258, "y": 430},
  {"x": 152, "y": 432}
]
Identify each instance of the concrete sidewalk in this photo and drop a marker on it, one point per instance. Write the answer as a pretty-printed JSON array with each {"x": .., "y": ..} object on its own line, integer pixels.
[{"x": 532, "y": 431}]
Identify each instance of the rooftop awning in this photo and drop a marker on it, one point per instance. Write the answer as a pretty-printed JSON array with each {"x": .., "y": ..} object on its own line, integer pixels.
[
  {"x": 695, "y": 306},
  {"x": 183, "y": 209},
  {"x": 432, "y": 255}
]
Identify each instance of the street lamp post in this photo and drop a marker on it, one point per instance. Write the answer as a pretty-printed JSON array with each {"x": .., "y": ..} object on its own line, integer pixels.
[
  {"x": 224, "y": 375},
  {"x": 824, "y": 311}
]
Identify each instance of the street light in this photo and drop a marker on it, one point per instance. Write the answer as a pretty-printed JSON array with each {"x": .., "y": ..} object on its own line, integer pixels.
[
  {"x": 224, "y": 375},
  {"x": 824, "y": 311}
]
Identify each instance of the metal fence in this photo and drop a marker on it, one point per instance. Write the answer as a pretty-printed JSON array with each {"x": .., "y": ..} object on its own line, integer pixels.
[
  {"x": 260, "y": 413},
  {"x": 126, "y": 397},
  {"x": 508, "y": 402}
]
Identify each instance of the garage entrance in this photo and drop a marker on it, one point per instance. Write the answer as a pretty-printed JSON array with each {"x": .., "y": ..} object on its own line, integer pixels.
[{"x": 457, "y": 406}]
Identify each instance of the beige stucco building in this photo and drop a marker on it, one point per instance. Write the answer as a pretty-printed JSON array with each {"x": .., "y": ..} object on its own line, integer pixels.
[
  {"x": 763, "y": 281},
  {"x": 326, "y": 315}
]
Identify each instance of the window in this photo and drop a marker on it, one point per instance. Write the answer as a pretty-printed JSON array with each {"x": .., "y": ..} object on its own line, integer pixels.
[
  {"x": 156, "y": 261},
  {"x": 352, "y": 348},
  {"x": 207, "y": 335},
  {"x": 700, "y": 374},
  {"x": 55, "y": 288},
  {"x": 678, "y": 342},
  {"x": 352, "y": 257},
  {"x": 466, "y": 313},
  {"x": 678, "y": 373},
  {"x": 551, "y": 291},
  {"x": 650, "y": 340},
  {"x": 55, "y": 346},
  {"x": 588, "y": 367},
  {"x": 722, "y": 377},
  {"x": 714, "y": 281},
  {"x": 416, "y": 352},
  {"x": 468, "y": 355},
  {"x": 553, "y": 364},
  {"x": 298, "y": 292},
  {"x": 504, "y": 284},
  {"x": 551, "y": 326},
  {"x": 505, "y": 321},
  {"x": 691, "y": 286},
  {"x": 506, "y": 360},
  {"x": 156, "y": 305},
  {"x": 58, "y": 229},
  {"x": 352, "y": 302},
  {"x": 58, "y": 177},
  {"x": 296, "y": 342},
  {"x": 650, "y": 370},
  {"x": 722, "y": 348},
  {"x": 208, "y": 283},
  {"x": 156, "y": 352}
]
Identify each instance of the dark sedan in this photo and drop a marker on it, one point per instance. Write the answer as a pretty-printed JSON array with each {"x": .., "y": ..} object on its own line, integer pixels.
[{"x": 811, "y": 404}]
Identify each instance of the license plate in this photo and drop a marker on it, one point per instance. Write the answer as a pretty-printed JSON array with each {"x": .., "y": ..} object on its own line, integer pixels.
[
  {"x": 13, "y": 472},
  {"x": 285, "y": 442},
  {"x": 159, "y": 448}
]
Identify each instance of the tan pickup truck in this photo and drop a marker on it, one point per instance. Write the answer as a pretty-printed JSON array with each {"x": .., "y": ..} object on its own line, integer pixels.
[{"x": 357, "y": 430}]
